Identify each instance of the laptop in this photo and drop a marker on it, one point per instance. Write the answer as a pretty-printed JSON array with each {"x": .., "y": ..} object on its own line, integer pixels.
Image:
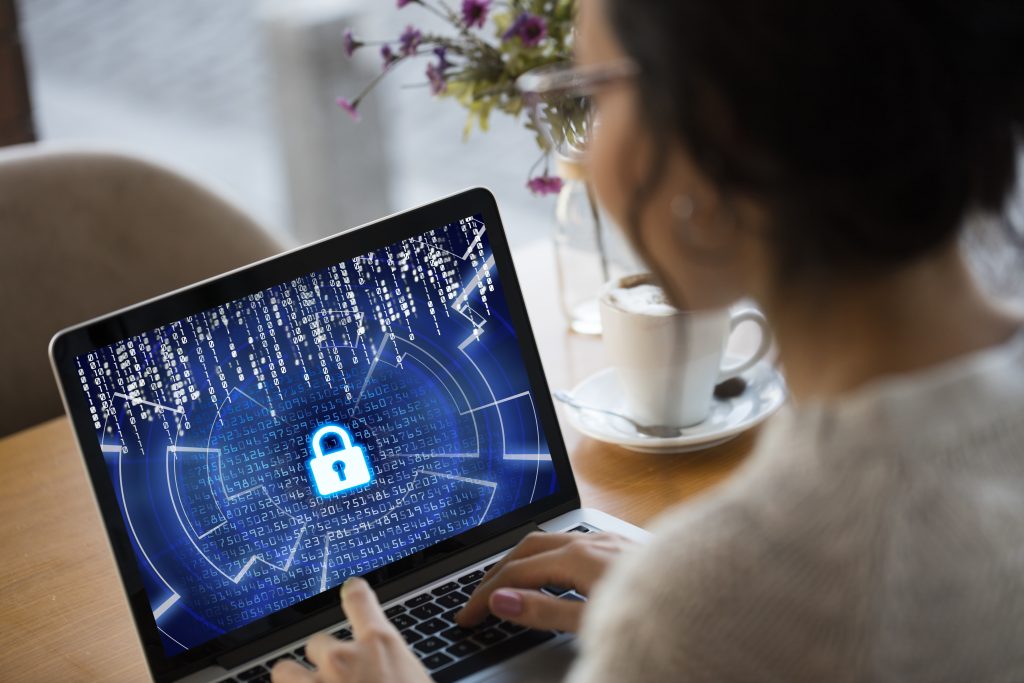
[{"x": 371, "y": 404}]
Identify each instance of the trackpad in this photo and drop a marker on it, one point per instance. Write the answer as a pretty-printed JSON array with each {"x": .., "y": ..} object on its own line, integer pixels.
[{"x": 540, "y": 665}]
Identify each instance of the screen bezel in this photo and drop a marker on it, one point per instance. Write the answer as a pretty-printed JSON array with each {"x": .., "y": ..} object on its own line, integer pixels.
[{"x": 68, "y": 344}]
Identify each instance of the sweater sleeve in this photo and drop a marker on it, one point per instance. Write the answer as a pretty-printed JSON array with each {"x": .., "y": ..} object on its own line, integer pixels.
[
  {"x": 649, "y": 618},
  {"x": 714, "y": 598}
]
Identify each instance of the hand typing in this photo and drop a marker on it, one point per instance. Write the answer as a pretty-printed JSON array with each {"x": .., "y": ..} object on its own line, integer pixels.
[
  {"x": 377, "y": 653},
  {"x": 569, "y": 560}
]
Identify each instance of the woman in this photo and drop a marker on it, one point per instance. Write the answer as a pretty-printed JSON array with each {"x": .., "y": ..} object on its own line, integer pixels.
[{"x": 819, "y": 157}]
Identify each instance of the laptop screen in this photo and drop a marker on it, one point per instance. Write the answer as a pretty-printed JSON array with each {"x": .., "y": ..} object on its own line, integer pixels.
[{"x": 264, "y": 450}]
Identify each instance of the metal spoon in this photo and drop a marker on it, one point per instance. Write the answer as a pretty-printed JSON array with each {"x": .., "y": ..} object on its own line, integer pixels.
[
  {"x": 653, "y": 431},
  {"x": 727, "y": 389}
]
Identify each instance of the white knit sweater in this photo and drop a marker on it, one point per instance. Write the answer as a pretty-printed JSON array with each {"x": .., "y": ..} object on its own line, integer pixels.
[{"x": 880, "y": 538}]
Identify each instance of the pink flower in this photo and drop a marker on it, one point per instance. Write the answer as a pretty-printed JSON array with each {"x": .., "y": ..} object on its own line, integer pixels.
[
  {"x": 350, "y": 107},
  {"x": 545, "y": 184},
  {"x": 388, "y": 55},
  {"x": 436, "y": 71},
  {"x": 474, "y": 12},
  {"x": 410, "y": 40},
  {"x": 529, "y": 28},
  {"x": 350, "y": 43},
  {"x": 436, "y": 78},
  {"x": 442, "y": 58},
  {"x": 403, "y": 3}
]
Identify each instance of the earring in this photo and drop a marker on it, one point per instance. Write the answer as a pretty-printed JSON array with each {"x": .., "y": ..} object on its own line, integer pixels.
[{"x": 682, "y": 207}]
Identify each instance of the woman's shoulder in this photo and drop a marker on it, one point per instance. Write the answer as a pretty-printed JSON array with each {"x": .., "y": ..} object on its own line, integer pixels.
[
  {"x": 794, "y": 553},
  {"x": 942, "y": 405}
]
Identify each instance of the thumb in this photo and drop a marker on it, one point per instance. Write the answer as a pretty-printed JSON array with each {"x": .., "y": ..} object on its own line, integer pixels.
[{"x": 359, "y": 603}]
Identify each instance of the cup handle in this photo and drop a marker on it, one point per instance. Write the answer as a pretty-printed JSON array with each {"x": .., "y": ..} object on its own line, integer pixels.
[{"x": 747, "y": 315}]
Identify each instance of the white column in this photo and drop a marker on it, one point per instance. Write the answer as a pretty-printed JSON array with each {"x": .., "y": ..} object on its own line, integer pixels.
[{"x": 336, "y": 170}]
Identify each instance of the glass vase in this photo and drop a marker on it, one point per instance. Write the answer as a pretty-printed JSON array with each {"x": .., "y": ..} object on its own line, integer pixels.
[{"x": 589, "y": 250}]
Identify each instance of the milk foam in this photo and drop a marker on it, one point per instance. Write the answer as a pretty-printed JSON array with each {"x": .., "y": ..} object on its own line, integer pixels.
[{"x": 642, "y": 299}]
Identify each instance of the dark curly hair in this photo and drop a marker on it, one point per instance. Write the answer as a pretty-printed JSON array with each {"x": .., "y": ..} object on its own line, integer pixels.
[{"x": 869, "y": 130}]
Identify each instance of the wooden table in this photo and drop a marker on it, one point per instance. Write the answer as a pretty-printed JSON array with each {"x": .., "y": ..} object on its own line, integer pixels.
[{"x": 63, "y": 615}]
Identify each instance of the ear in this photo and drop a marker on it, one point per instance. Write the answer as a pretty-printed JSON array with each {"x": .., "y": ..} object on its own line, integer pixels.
[
  {"x": 716, "y": 237},
  {"x": 705, "y": 220}
]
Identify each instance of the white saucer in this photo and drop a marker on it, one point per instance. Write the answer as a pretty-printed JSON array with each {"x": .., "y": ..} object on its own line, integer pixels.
[{"x": 765, "y": 394}]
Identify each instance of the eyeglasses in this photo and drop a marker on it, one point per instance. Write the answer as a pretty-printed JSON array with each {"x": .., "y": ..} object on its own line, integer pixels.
[{"x": 559, "y": 102}]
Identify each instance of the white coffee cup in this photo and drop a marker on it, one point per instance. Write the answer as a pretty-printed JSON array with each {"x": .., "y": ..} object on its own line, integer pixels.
[{"x": 668, "y": 361}]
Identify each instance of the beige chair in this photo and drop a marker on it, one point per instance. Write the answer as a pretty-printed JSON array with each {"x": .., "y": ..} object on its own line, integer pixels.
[{"x": 83, "y": 233}]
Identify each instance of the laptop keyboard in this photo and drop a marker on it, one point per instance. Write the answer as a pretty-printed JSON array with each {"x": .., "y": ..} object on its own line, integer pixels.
[{"x": 427, "y": 623}]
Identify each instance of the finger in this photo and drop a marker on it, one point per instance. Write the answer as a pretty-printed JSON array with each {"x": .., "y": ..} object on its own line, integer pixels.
[
  {"x": 291, "y": 672},
  {"x": 537, "y": 610},
  {"x": 533, "y": 543},
  {"x": 539, "y": 542},
  {"x": 360, "y": 605},
  {"x": 561, "y": 567},
  {"x": 327, "y": 653}
]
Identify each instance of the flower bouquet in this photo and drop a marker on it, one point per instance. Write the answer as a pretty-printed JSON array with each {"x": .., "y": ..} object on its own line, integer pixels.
[{"x": 492, "y": 43}]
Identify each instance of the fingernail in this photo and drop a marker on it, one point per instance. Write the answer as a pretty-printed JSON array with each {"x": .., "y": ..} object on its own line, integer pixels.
[
  {"x": 349, "y": 583},
  {"x": 506, "y": 603}
]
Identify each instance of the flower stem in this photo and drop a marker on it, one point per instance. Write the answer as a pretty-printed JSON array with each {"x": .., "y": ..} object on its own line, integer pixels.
[
  {"x": 543, "y": 157},
  {"x": 376, "y": 79}
]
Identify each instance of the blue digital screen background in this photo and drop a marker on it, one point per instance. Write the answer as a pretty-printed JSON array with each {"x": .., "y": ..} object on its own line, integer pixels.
[{"x": 205, "y": 428}]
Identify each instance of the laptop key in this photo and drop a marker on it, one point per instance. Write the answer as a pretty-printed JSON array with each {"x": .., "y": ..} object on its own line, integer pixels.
[
  {"x": 252, "y": 673},
  {"x": 274, "y": 660},
  {"x": 472, "y": 577},
  {"x": 555, "y": 590},
  {"x": 489, "y": 637},
  {"x": 581, "y": 529},
  {"x": 488, "y": 567},
  {"x": 342, "y": 634},
  {"x": 432, "y": 626},
  {"x": 463, "y": 648},
  {"x": 453, "y": 599},
  {"x": 492, "y": 655},
  {"x": 445, "y": 588},
  {"x": 418, "y": 600},
  {"x": 402, "y": 621},
  {"x": 411, "y": 636},
  {"x": 429, "y": 644},
  {"x": 510, "y": 628},
  {"x": 437, "y": 660},
  {"x": 393, "y": 610},
  {"x": 426, "y": 611},
  {"x": 457, "y": 633}
]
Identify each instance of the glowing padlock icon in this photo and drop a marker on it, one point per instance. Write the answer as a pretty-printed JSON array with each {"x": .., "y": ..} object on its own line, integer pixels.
[{"x": 338, "y": 470}]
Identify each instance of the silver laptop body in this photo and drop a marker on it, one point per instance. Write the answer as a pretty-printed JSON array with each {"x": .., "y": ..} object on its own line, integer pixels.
[{"x": 371, "y": 404}]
